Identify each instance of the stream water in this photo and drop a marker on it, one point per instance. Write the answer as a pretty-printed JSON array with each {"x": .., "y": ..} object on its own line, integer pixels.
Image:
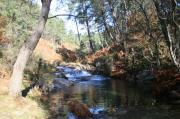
[{"x": 109, "y": 98}]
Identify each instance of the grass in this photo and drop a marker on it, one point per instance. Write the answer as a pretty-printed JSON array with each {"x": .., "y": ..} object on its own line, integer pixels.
[
  {"x": 23, "y": 108},
  {"x": 18, "y": 108},
  {"x": 46, "y": 52},
  {"x": 29, "y": 107}
]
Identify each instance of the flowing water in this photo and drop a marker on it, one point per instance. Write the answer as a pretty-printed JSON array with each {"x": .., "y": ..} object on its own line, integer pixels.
[{"x": 109, "y": 98}]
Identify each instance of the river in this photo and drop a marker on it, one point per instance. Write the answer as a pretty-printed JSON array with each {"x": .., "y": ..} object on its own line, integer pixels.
[{"x": 107, "y": 98}]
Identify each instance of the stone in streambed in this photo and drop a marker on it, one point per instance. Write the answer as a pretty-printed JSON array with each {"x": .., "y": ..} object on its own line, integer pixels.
[
  {"x": 62, "y": 81},
  {"x": 145, "y": 76},
  {"x": 79, "y": 109}
]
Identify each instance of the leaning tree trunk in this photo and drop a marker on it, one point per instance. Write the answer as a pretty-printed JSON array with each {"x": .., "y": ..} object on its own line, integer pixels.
[{"x": 26, "y": 51}]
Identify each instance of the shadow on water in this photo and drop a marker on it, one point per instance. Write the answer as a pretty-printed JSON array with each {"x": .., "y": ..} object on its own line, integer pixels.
[{"x": 110, "y": 99}]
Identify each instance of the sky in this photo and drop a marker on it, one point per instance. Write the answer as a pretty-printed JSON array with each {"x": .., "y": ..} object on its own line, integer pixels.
[{"x": 59, "y": 8}]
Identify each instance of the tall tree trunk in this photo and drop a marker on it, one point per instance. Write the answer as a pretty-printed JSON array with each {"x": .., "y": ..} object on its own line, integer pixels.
[
  {"x": 106, "y": 27},
  {"x": 78, "y": 32},
  {"x": 170, "y": 38},
  {"x": 115, "y": 21},
  {"x": 150, "y": 33},
  {"x": 100, "y": 38},
  {"x": 172, "y": 52},
  {"x": 26, "y": 51},
  {"x": 126, "y": 32},
  {"x": 89, "y": 35},
  {"x": 105, "y": 39},
  {"x": 108, "y": 32}
]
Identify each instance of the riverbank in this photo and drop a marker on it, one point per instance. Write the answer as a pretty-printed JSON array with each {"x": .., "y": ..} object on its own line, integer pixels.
[{"x": 19, "y": 108}]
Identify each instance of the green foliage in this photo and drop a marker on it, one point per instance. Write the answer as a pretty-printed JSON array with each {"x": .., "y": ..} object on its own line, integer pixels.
[
  {"x": 103, "y": 17},
  {"x": 141, "y": 64},
  {"x": 3, "y": 23},
  {"x": 82, "y": 53},
  {"x": 97, "y": 41},
  {"x": 19, "y": 20},
  {"x": 55, "y": 29},
  {"x": 104, "y": 64},
  {"x": 1, "y": 54},
  {"x": 21, "y": 17}
]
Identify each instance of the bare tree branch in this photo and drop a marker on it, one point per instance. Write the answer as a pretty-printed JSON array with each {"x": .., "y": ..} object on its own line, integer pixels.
[{"x": 71, "y": 15}]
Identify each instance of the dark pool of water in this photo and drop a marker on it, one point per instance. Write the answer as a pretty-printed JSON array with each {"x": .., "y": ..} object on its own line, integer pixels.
[
  {"x": 117, "y": 99},
  {"x": 114, "y": 99}
]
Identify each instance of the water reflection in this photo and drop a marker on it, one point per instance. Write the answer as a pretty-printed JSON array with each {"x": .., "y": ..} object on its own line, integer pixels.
[{"x": 114, "y": 97}]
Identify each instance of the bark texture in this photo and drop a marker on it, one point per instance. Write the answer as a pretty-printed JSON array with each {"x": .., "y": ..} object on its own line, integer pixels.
[{"x": 26, "y": 51}]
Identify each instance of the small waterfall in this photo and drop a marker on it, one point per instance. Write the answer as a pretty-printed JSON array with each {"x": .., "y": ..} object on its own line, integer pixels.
[{"x": 73, "y": 74}]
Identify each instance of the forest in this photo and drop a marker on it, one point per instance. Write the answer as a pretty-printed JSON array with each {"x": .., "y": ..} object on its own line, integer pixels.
[{"x": 118, "y": 59}]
